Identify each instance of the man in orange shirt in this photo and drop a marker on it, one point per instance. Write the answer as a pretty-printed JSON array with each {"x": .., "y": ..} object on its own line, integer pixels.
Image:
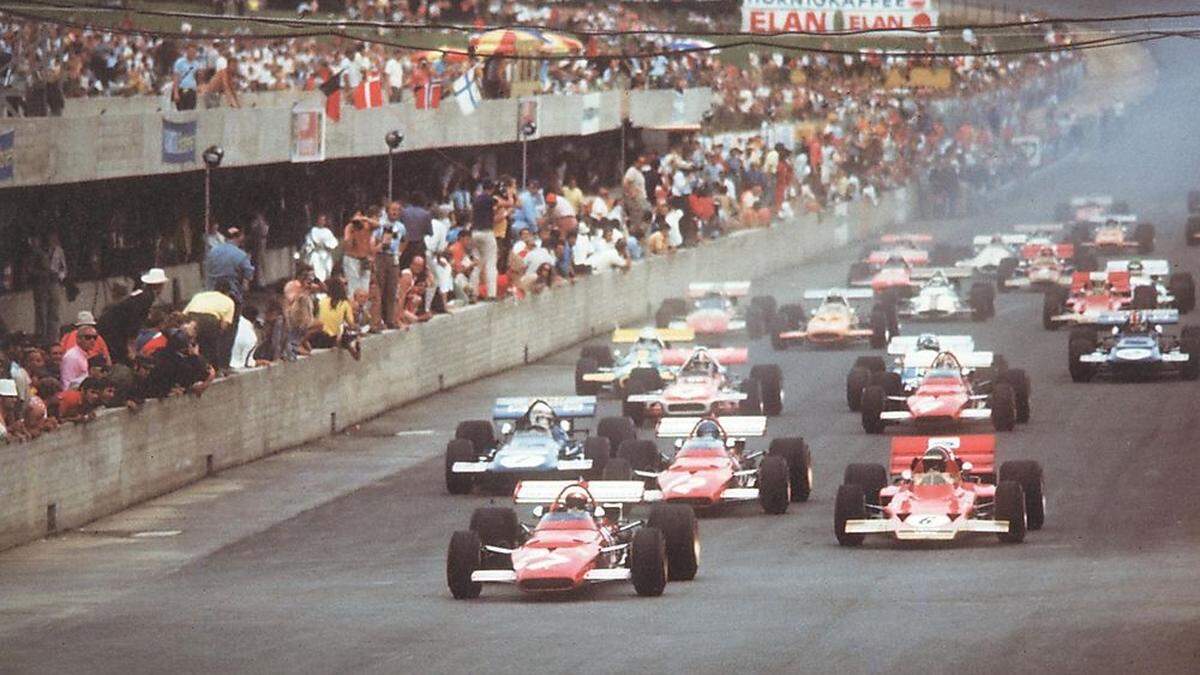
[{"x": 85, "y": 318}]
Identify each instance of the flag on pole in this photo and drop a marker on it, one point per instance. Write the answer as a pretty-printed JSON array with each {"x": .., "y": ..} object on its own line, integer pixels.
[
  {"x": 369, "y": 93},
  {"x": 428, "y": 94},
  {"x": 466, "y": 92},
  {"x": 333, "y": 96}
]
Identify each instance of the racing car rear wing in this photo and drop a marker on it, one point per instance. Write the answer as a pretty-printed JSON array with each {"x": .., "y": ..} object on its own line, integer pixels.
[
  {"x": 1095, "y": 200},
  {"x": 1061, "y": 251},
  {"x": 628, "y": 335},
  {"x": 515, "y": 407},
  {"x": 1120, "y": 219},
  {"x": 737, "y": 426},
  {"x": 733, "y": 289},
  {"x": 1158, "y": 317},
  {"x": 979, "y": 241},
  {"x": 904, "y": 344},
  {"x": 967, "y": 360},
  {"x": 1153, "y": 268},
  {"x": 1039, "y": 228},
  {"x": 847, "y": 293},
  {"x": 978, "y": 449},
  {"x": 905, "y": 238},
  {"x": 603, "y": 491},
  {"x": 918, "y": 273},
  {"x": 722, "y": 355}
]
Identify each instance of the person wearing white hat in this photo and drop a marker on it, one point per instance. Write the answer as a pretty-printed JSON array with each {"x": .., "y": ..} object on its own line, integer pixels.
[
  {"x": 8, "y": 409},
  {"x": 120, "y": 322}
]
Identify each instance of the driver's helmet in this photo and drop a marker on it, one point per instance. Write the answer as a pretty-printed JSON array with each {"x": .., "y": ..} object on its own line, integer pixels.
[
  {"x": 1137, "y": 322},
  {"x": 939, "y": 279},
  {"x": 540, "y": 418},
  {"x": 575, "y": 499},
  {"x": 928, "y": 341},
  {"x": 1112, "y": 222},
  {"x": 1135, "y": 267},
  {"x": 997, "y": 239},
  {"x": 708, "y": 429},
  {"x": 1046, "y": 252},
  {"x": 699, "y": 362},
  {"x": 937, "y": 459}
]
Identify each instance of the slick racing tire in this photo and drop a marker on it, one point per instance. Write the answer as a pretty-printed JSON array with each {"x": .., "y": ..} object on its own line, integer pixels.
[
  {"x": 459, "y": 450},
  {"x": 849, "y": 505},
  {"x": 859, "y": 271},
  {"x": 770, "y": 382},
  {"x": 1053, "y": 304},
  {"x": 617, "y": 468},
  {"x": 1021, "y": 389},
  {"x": 462, "y": 559},
  {"x": 479, "y": 432},
  {"x": 678, "y": 524},
  {"x": 776, "y": 330},
  {"x": 1085, "y": 261},
  {"x": 648, "y": 562},
  {"x": 890, "y": 381},
  {"x": 617, "y": 430},
  {"x": 635, "y": 412},
  {"x": 875, "y": 364},
  {"x": 1003, "y": 403},
  {"x": 870, "y": 477},
  {"x": 1144, "y": 297},
  {"x": 880, "y": 327},
  {"x": 1004, "y": 272},
  {"x": 1029, "y": 474},
  {"x": 753, "y": 403},
  {"x": 774, "y": 485},
  {"x": 799, "y": 461},
  {"x": 1191, "y": 346},
  {"x": 765, "y": 307},
  {"x": 641, "y": 455},
  {"x": 1144, "y": 235},
  {"x": 1183, "y": 286},
  {"x": 874, "y": 402},
  {"x": 583, "y": 367},
  {"x": 496, "y": 526},
  {"x": 982, "y": 300},
  {"x": 601, "y": 354},
  {"x": 1080, "y": 372},
  {"x": 1010, "y": 506},
  {"x": 599, "y": 450},
  {"x": 856, "y": 381}
]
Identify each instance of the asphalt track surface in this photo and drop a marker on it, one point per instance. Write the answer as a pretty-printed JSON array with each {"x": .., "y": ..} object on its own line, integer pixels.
[{"x": 1111, "y": 584}]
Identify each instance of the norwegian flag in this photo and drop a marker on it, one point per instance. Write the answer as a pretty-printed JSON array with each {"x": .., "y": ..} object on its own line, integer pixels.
[
  {"x": 429, "y": 94},
  {"x": 369, "y": 93}
]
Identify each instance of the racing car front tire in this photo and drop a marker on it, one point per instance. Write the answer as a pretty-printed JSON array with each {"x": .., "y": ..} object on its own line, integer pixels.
[
  {"x": 776, "y": 330},
  {"x": 599, "y": 450},
  {"x": 880, "y": 327},
  {"x": 642, "y": 455},
  {"x": 678, "y": 524},
  {"x": 796, "y": 453},
  {"x": 874, "y": 400},
  {"x": 870, "y": 477},
  {"x": 849, "y": 505},
  {"x": 856, "y": 381},
  {"x": 1080, "y": 371},
  {"x": 617, "y": 468},
  {"x": 770, "y": 382},
  {"x": 875, "y": 364},
  {"x": 584, "y": 366},
  {"x": 459, "y": 450},
  {"x": 1021, "y": 388},
  {"x": 462, "y": 559},
  {"x": 1004, "y": 407},
  {"x": 479, "y": 432},
  {"x": 1052, "y": 305},
  {"x": 774, "y": 484},
  {"x": 1010, "y": 506},
  {"x": 496, "y": 526},
  {"x": 617, "y": 430},
  {"x": 1029, "y": 474},
  {"x": 1004, "y": 272},
  {"x": 982, "y": 300},
  {"x": 753, "y": 403},
  {"x": 889, "y": 380},
  {"x": 648, "y": 562}
]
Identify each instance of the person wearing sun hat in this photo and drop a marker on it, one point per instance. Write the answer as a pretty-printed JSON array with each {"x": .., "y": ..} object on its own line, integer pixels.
[
  {"x": 120, "y": 322},
  {"x": 98, "y": 346}
]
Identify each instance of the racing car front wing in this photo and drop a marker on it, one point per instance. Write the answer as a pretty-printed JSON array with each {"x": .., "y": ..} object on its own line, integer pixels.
[{"x": 925, "y": 528}]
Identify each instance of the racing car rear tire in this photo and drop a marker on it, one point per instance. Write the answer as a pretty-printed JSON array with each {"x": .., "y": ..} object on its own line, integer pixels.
[
  {"x": 634, "y": 411},
  {"x": 1190, "y": 346},
  {"x": 982, "y": 300},
  {"x": 642, "y": 455},
  {"x": 459, "y": 450},
  {"x": 584, "y": 366},
  {"x": 1010, "y": 506},
  {"x": 1004, "y": 272},
  {"x": 617, "y": 468},
  {"x": 617, "y": 430},
  {"x": 1144, "y": 297},
  {"x": 1183, "y": 286},
  {"x": 1021, "y": 388},
  {"x": 856, "y": 380},
  {"x": 1004, "y": 407},
  {"x": 678, "y": 524},
  {"x": 870, "y": 477},
  {"x": 774, "y": 484},
  {"x": 1081, "y": 233},
  {"x": 599, "y": 450},
  {"x": 480, "y": 432},
  {"x": 874, "y": 402},
  {"x": 875, "y": 364},
  {"x": 642, "y": 381},
  {"x": 999, "y": 364},
  {"x": 1052, "y": 305},
  {"x": 770, "y": 382},
  {"x": 496, "y": 526},
  {"x": 849, "y": 505},
  {"x": 1029, "y": 474},
  {"x": 1144, "y": 234},
  {"x": 799, "y": 460},
  {"x": 648, "y": 562},
  {"x": 890, "y": 381},
  {"x": 880, "y": 327},
  {"x": 753, "y": 403},
  {"x": 1191, "y": 230},
  {"x": 462, "y": 559},
  {"x": 1080, "y": 372},
  {"x": 776, "y": 329},
  {"x": 1084, "y": 334},
  {"x": 792, "y": 314},
  {"x": 601, "y": 354}
]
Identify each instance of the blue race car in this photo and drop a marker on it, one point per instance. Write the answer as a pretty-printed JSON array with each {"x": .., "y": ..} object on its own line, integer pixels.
[
  {"x": 538, "y": 439},
  {"x": 1135, "y": 347},
  {"x": 645, "y": 367}
]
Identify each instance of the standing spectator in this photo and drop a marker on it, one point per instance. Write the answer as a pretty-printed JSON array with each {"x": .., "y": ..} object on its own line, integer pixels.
[
  {"x": 633, "y": 193},
  {"x": 360, "y": 246},
  {"x": 227, "y": 262},
  {"x": 561, "y": 214},
  {"x": 273, "y": 335},
  {"x": 483, "y": 210},
  {"x": 47, "y": 271},
  {"x": 215, "y": 314},
  {"x": 418, "y": 224},
  {"x": 75, "y": 361},
  {"x": 319, "y": 245},
  {"x": 185, "y": 73},
  {"x": 384, "y": 278},
  {"x": 121, "y": 322}
]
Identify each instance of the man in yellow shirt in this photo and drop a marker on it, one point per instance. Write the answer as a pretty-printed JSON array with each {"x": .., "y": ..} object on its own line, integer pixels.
[{"x": 214, "y": 313}]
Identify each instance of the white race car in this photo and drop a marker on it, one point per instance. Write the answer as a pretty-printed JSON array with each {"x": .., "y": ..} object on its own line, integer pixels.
[{"x": 938, "y": 298}]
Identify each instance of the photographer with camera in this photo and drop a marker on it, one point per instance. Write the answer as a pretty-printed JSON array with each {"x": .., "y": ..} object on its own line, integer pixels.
[{"x": 359, "y": 245}]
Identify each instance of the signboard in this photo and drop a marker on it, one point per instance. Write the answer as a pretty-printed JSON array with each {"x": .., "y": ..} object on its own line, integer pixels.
[
  {"x": 178, "y": 142},
  {"x": 589, "y": 122},
  {"x": 7, "y": 156},
  {"x": 824, "y": 16},
  {"x": 308, "y": 135},
  {"x": 528, "y": 124}
]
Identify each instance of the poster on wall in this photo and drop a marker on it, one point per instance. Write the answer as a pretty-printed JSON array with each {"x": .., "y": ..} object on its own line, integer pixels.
[
  {"x": 589, "y": 123},
  {"x": 528, "y": 123},
  {"x": 308, "y": 135},
  {"x": 825, "y": 16},
  {"x": 7, "y": 156},
  {"x": 178, "y": 142}
]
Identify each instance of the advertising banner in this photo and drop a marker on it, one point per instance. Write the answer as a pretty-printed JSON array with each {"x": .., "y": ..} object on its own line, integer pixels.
[
  {"x": 178, "y": 142},
  {"x": 7, "y": 156},
  {"x": 308, "y": 136},
  {"x": 824, "y": 16}
]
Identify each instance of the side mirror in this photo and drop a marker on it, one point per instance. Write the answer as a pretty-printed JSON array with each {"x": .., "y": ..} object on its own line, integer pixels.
[
  {"x": 730, "y": 442},
  {"x": 506, "y": 428},
  {"x": 539, "y": 511},
  {"x": 906, "y": 474},
  {"x": 599, "y": 512},
  {"x": 967, "y": 466},
  {"x": 565, "y": 425},
  {"x": 678, "y": 443}
]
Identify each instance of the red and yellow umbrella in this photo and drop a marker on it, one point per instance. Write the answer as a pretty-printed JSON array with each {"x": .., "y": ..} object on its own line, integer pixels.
[
  {"x": 524, "y": 41},
  {"x": 445, "y": 53}
]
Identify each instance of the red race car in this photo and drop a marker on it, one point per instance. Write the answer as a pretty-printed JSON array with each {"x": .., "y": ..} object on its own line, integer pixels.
[
  {"x": 703, "y": 386},
  {"x": 711, "y": 465},
  {"x": 938, "y": 488},
  {"x": 717, "y": 308},
  {"x": 947, "y": 396},
  {"x": 582, "y": 538},
  {"x": 1091, "y": 294}
]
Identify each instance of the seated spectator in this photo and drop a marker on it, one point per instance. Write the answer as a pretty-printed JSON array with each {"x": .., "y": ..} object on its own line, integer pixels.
[
  {"x": 54, "y": 357},
  {"x": 299, "y": 309},
  {"x": 336, "y": 316},
  {"x": 246, "y": 341},
  {"x": 273, "y": 335},
  {"x": 611, "y": 258},
  {"x": 178, "y": 368},
  {"x": 79, "y": 405}
]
